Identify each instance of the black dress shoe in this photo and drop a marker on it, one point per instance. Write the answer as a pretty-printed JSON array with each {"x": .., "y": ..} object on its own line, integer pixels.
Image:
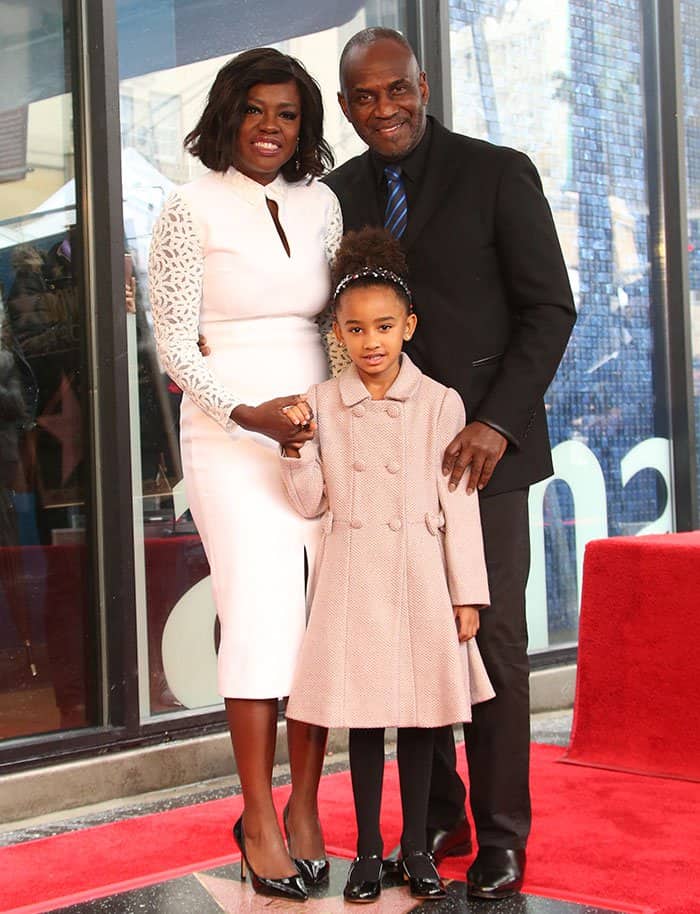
[
  {"x": 423, "y": 879},
  {"x": 497, "y": 872},
  {"x": 453, "y": 842},
  {"x": 441, "y": 843},
  {"x": 364, "y": 879}
]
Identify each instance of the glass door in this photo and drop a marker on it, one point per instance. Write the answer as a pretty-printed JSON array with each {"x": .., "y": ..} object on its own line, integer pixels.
[{"x": 46, "y": 652}]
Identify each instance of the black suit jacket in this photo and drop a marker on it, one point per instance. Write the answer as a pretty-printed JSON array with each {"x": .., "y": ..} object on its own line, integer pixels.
[{"x": 490, "y": 287}]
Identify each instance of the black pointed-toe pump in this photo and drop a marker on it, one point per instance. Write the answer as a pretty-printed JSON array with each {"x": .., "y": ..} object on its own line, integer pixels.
[
  {"x": 289, "y": 887},
  {"x": 313, "y": 872}
]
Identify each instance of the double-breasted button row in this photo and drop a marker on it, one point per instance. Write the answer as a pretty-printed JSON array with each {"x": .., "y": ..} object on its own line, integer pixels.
[
  {"x": 394, "y": 524},
  {"x": 359, "y": 466},
  {"x": 393, "y": 466},
  {"x": 392, "y": 410}
]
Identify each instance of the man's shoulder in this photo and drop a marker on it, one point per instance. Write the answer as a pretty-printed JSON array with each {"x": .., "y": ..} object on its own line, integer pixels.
[{"x": 481, "y": 151}]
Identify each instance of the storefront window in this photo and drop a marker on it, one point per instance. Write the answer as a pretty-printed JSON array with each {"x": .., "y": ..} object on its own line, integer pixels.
[
  {"x": 563, "y": 82},
  {"x": 690, "y": 19},
  {"x": 45, "y": 652},
  {"x": 166, "y": 69}
]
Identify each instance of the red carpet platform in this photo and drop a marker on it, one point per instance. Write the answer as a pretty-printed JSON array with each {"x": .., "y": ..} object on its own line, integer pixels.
[
  {"x": 599, "y": 838},
  {"x": 637, "y": 702}
]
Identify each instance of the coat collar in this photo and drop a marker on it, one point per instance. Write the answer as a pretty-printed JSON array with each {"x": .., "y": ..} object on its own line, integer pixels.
[
  {"x": 253, "y": 192},
  {"x": 353, "y": 391}
]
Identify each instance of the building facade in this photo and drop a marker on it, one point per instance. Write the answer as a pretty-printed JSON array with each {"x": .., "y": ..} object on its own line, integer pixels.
[{"x": 107, "y": 625}]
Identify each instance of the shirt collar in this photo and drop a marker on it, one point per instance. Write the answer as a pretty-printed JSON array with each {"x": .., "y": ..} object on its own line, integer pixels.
[
  {"x": 413, "y": 165},
  {"x": 353, "y": 391},
  {"x": 252, "y": 191}
]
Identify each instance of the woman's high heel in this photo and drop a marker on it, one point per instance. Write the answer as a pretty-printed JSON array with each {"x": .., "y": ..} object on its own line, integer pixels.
[
  {"x": 313, "y": 872},
  {"x": 291, "y": 887}
]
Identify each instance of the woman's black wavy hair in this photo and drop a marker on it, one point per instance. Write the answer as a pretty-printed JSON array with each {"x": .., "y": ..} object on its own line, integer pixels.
[{"x": 213, "y": 140}]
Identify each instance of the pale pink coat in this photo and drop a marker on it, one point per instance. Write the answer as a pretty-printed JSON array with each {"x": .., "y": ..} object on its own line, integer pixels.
[{"x": 398, "y": 551}]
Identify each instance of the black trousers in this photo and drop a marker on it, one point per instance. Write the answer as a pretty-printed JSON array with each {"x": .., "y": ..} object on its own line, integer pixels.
[{"x": 498, "y": 738}]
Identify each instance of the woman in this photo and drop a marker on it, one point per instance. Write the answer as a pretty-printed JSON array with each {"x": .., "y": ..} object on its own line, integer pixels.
[{"x": 242, "y": 255}]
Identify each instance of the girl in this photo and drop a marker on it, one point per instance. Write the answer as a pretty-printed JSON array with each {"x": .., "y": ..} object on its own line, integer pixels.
[{"x": 401, "y": 561}]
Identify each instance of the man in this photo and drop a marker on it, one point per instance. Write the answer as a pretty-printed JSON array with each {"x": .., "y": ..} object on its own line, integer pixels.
[{"x": 495, "y": 312}]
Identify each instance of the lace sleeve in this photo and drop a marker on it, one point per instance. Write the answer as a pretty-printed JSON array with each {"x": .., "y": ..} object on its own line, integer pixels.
[
  {"x": 337, "y": 356},
  {"x": 334, "y": 227},
  {"x": 175, "y": 274}
]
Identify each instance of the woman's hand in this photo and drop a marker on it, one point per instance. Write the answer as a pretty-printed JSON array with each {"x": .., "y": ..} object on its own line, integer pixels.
[
  {"x": 467, "y": 619},
  {"x": 287, "y": 420}
]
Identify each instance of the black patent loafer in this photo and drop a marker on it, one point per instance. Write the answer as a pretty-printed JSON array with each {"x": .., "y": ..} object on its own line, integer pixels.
[
  {"x": 365, "y": 886},
  {"x": 423, "y": 878},
  {"x": 496, "y": 872}
]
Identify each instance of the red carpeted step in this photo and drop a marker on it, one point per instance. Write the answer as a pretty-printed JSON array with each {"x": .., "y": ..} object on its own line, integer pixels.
[
  {"x": 638, "y": 690},
  {"x": 605, "y": 838}
]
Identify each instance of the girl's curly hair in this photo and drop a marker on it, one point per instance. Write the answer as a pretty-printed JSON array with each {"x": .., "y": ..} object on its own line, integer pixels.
[{"x": 371, "y": 248}]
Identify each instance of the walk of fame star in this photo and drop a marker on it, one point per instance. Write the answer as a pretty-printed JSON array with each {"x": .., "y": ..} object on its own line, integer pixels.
[{"x": 65, "y": 425}]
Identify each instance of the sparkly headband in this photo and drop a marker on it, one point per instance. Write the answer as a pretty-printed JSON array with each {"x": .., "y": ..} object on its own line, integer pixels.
[{"x": 373, "y": 273}]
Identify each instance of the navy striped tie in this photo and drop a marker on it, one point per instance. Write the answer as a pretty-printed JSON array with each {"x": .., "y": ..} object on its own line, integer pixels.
[{"x": 396, "y": 213}]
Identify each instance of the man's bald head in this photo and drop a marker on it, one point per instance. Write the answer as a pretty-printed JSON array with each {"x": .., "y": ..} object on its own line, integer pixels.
[
  {"x": 365, "y": 39},
  {"x": 383, "y": 93}
]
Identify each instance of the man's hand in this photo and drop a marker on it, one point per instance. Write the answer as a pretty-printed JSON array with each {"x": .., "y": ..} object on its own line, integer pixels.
[
  {"x": 287, "y": 420},
  {"x": 467, "y": 620},
  {"x": 203, "y": 347},
  {"x": 477, "y": 449}
]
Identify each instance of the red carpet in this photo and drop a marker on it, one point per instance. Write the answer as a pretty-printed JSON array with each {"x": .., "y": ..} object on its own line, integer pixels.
[
  {"x": 638, "y": 689},
  {"x": 600, "y": 837}
]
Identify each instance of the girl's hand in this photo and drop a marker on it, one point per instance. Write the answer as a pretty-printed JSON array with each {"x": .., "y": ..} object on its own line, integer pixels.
[
  {"x": 287, "y": 420},
  {"x": 467, "y": 619}
]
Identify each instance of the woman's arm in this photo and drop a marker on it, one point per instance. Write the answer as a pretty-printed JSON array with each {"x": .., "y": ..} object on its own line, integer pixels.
[{"x": 175, "y": 275}]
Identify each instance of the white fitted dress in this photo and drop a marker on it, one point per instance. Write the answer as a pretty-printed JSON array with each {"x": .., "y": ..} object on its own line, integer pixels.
[{"x": 218, "y": 267}]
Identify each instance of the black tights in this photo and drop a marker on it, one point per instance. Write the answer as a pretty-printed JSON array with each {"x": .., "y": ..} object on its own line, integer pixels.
[{"x": 415, "y": 756}]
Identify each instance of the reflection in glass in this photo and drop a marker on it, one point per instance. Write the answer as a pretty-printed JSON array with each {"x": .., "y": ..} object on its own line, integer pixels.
[
  {"x": 44, "y": 651},
  {"x": 690, "y": 19},
  {"x": 166, "y": 69},
  {"x": 582, "y": 121}
]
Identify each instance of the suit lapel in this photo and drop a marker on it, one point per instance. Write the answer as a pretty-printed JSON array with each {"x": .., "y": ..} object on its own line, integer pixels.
[
  {"x": 361, "y": 206},
  {"x": 440, "y": 169}
]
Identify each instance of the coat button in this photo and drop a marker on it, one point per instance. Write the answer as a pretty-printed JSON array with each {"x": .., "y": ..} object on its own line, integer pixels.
[
  {"x": 393, "y": 466},
  {"x": 359, "y": 466},
  {"x": 358, "y": 411},
  {"x": 395, "y": 524},
  {"x": 393, "y": 411},
  {"x": 356, "y": 524}
]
